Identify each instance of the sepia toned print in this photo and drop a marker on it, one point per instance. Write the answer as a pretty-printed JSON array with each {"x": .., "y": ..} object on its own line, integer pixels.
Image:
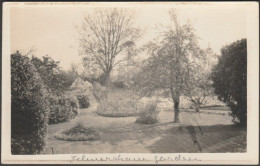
[{"x": 137, "y": 83}]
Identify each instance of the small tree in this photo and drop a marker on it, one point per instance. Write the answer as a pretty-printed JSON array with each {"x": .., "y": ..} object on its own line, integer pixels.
[
  {"x": 169, "y": 67},
  {"x": 229, "y": 79},
  {"x": 106, "y": 37},
  {"x": 50, "y": 73}
]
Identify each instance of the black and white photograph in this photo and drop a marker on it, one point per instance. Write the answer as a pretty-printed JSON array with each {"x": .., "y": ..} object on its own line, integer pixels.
[{"x": 130, "y": 82}]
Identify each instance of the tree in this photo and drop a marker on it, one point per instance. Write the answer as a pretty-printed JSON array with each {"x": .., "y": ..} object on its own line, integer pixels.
[
  {"x": 229, "y": 79},
  {"x": 106, "y": 37},
  {"x": 199, "y": 84},
  {"x": 50, "y": 73},
  {"x": 171, "y": 63}
]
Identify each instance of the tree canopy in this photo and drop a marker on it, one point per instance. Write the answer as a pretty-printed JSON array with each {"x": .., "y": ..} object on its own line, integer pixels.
[
  {"x": 106, "y": 37},
  {"x": 230, "y": 79}
]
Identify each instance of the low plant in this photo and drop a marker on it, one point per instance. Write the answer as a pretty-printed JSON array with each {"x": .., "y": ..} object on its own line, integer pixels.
[
  {"x": 119, "y": 84},
  {"x": 149, "y": 114},
  {"x": 78, "y": 133},
  {"x": 63, "y": 108}
]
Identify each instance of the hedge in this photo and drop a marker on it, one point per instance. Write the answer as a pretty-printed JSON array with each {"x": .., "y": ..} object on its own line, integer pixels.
[{"x": 29, "y": 107}]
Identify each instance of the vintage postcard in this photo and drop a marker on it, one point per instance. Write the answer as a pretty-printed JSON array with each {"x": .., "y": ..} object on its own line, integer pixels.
[{"x": 130, "y": 83}]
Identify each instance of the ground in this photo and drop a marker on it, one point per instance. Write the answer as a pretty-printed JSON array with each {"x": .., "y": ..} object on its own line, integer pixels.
[{"x": 125, "y": 136}]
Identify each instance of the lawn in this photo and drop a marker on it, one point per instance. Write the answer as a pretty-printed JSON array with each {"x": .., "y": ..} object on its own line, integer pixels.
[{"x": 125, "y": 136}]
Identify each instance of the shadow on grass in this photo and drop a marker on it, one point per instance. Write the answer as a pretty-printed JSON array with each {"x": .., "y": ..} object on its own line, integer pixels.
[{"x": 177, "y": 141}]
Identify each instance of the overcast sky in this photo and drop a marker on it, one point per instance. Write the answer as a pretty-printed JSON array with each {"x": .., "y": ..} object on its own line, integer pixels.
[{"x": 50, "y": 29}]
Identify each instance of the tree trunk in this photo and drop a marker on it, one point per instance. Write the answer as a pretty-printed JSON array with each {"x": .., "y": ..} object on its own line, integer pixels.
[
  {"x": 197, "y": 108},
  {"x": 107, "y": 79},
  {"x": 176, "y": 111}
]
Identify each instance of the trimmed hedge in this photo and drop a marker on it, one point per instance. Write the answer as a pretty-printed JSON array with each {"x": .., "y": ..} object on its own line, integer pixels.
[
  {"x": 63, "y": 108},
  {"x": 29, "y": 107}
]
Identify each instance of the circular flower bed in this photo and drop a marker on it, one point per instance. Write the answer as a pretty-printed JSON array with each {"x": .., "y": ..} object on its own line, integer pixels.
[{"x": 78, "y": 133}]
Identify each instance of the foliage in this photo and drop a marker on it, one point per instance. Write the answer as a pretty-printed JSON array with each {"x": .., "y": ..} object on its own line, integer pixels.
[
  {"x": 29, "y": 107},
  {"x": 107, "y": 38},
  {"x": 62, "y": 108},
  {"x": 171, "y": 63},
  {"x": 50, "y": 73},
  {"x": 149, "y": 114},
  {"x": 82, "y": 90},
  {"x": 78, "y": 133},
  {"x": 119, "y": 84},
  {"x": 118, "y": 103},
  {"x": 229, "y": 79}
]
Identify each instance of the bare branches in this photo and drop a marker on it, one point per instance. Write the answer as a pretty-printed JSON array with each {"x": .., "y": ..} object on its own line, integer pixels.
[{"x": 107, "y": 34}]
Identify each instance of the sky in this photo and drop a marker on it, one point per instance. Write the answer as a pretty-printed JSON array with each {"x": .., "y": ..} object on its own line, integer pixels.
[{"x": 51, "y": 29}]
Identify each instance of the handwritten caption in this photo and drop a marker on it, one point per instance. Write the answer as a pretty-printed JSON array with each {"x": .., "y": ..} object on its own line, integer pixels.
[{"x": 157, "y": 159}]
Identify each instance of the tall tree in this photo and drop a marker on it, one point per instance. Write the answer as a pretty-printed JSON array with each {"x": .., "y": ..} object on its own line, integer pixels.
[
  {"x": 171, "y": 62},
  {"x": 106, "y": 37},
  {"x": 230, "y": 79}
]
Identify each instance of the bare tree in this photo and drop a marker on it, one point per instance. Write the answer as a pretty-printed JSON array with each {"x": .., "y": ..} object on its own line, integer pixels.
[{"x": 106, "y": 37}]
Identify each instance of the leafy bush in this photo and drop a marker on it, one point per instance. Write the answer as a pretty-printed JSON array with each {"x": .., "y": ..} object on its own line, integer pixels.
[
  {"x": 119, "y": 84},
  {"x": 149, "y": 114},
  {"x": 229, "y": 79},
  {"x": 78, "y": 133},
  {"x": 29, "y": 107},
  {"x": 83, "y": 100},
  {"x": 63, "y": 108}
]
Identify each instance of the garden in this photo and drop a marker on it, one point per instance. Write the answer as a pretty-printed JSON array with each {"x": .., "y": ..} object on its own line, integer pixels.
[{"x": 167, "y": 103}]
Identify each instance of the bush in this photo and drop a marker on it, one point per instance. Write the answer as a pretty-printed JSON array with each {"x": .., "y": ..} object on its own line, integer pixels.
[
  {"x": 63, "y": 108},
  {"x": 119, "y": 84},
  {"x": 83, "y": 100},
  {"x": 229, "y": 79},
  {"x": 149, "y": 114},
  {"x": 78, "y": 133},
  {"x": 82, "y": 90},
  {"x": 29, "y": 107}
]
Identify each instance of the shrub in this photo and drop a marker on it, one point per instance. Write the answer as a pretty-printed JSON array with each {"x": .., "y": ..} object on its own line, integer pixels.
[
  {"x": 149, "y": 114},
  {"x": 63, "y": 108},
  {"x": 229, "y": 79},
  {"x": 83, "y": 100},
  {"x": 29, "y": 107},
  {"x": 82, "y": 90},
  {"x": 78, "y": 133},
  {"x": 119, "y": 84}
]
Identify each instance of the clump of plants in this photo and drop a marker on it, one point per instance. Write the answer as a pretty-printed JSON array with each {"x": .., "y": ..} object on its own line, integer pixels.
[
  {"x": 63, "y": 108},
  {"x": 149, "y": 114},
  {"x": 78, "y": 133},
  {"x": 82, "y": 90}
]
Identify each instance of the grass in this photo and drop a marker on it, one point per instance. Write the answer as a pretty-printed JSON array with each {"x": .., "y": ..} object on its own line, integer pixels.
[
  {"x": 119, "y": 103},
  {"x": 78, "y": 133}
]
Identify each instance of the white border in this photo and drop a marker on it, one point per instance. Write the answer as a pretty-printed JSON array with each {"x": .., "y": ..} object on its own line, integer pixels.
[{"x": 251, "y": 157}]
